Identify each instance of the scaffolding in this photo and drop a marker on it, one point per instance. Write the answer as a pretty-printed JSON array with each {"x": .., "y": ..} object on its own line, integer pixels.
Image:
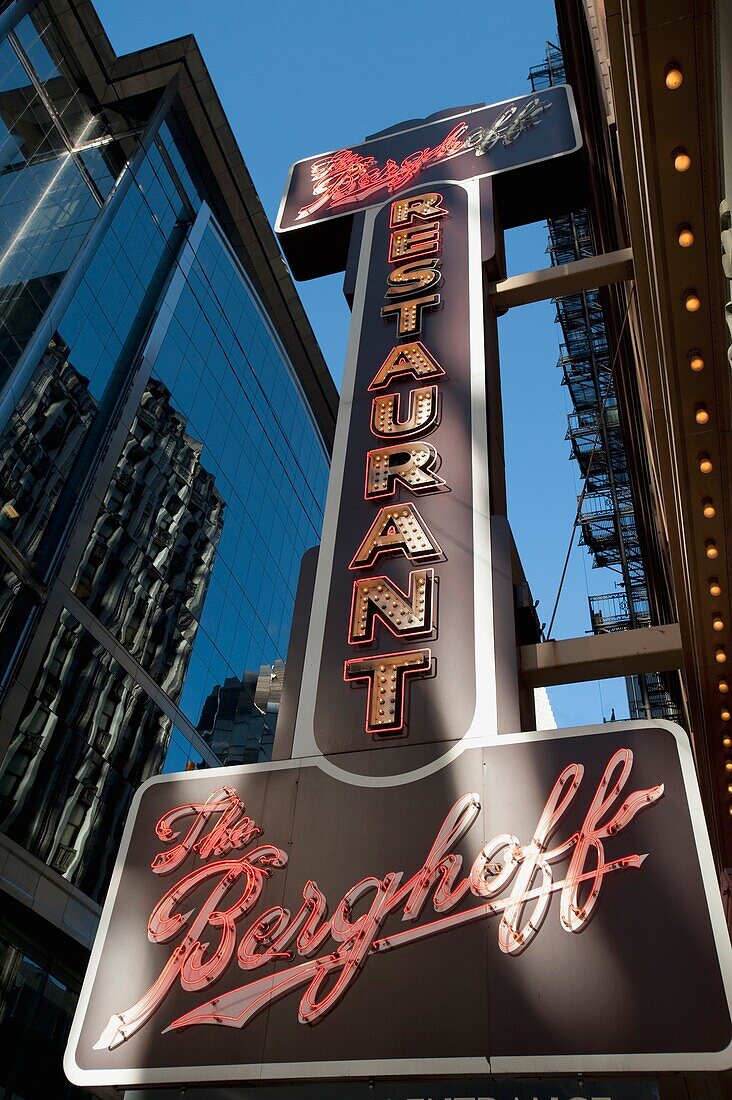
[{"x": 607, "y": 515}]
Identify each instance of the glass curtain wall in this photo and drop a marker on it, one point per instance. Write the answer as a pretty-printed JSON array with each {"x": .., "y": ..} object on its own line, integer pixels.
[
  {"x": 191, "y": 563},
  {"x": 58, "y": 163},
  {"x": 161, "y": 475},
  {"x": 38, "y": 994}
]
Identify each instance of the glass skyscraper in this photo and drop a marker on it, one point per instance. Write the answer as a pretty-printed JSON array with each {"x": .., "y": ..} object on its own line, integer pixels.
[{"x": 165, "y": 421}]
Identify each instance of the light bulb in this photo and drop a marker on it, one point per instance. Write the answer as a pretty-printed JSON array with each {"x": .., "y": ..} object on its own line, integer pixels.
[
  {"x": 692, "y": 301},
  {"x": 682, "y": 160},
  {"x": 673, "y": 77},
  {"x": 686, "y": 236}
]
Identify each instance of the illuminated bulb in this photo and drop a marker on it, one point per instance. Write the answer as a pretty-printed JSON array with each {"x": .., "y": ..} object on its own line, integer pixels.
[
  {"x": 705, "y": 464},
  {"x": 711, "y": 551},
  {"x": 715, "y": 588},
  {"x": 695, "y": 361},
  {"x": 725, "y": 715},
  {"x": 701, "y": 414},
  {"x": 686, "y": 236},
  {"x": 729, "y": 788},
  {"x": 728, "y": 765},
  {"x": 729, "y": 810},
  {"x": 723, "y": 687},
  {"x": 682, "y": 160},
  {"x": 720, "y": 655},
  {"x": 674, "y": 77},
  {"x": 717, "y": 622},
  {"x": 708, "y": 509},
  {"x": 692, "y": 301},
  {"x": 727, "y": 742}
]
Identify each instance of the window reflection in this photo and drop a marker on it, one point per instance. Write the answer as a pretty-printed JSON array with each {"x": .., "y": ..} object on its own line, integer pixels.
[
  {"x": 219, "y": 491},
  {"x": 50, "y": 194},
  {"x": 87, "y": 737},
  {"x": 45, "y": 434},
  {"x": 38, "y": 996},
  {"x": 40, "y": 444},
  {"x": 146, "y": 570},
  {"x": 239, "y": 717}
]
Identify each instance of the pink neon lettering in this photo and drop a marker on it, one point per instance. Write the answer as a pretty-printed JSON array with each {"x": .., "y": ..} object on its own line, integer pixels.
[
  {"x": 527, "y": 869},
  {"x": 346, "y": 176}
]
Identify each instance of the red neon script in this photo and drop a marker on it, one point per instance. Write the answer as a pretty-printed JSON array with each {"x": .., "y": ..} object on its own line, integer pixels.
[
  {"x": 513, "y": 880},
  {"x": 346, "y": 176}
]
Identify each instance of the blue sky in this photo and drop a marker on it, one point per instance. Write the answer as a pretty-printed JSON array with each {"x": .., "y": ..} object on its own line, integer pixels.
[{"x": 297, "y": 79}]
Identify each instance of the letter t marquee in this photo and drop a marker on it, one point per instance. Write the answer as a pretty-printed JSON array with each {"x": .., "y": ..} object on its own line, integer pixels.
[{"x": 399, "y": 654}]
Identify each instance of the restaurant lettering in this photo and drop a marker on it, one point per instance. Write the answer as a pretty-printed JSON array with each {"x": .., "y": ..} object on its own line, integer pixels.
[{"x": 404, "y": 461}]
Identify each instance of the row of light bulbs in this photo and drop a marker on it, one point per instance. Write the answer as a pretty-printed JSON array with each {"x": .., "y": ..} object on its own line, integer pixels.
[{"x": 692, "y": 303}]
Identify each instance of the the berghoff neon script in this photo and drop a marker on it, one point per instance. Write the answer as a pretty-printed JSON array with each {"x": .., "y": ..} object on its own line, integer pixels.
[
  {"x": 346, "y": 177},
  {"x": 513, "y": 880}
]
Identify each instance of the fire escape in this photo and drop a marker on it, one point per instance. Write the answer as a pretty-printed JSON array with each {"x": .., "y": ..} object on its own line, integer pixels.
[{"x": 607, "y": 517}]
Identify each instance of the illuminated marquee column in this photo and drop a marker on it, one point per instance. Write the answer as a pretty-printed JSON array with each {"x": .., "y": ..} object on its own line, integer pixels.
[
  {"x": 400, "y": 648},
  {"x": 411, "y": 644}
]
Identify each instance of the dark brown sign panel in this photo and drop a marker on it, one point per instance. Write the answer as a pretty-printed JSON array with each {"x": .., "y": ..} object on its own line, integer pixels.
[{"x": 544, "y": 903}]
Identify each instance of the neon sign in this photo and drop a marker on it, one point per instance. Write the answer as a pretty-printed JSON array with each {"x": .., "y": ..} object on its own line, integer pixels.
[
  {"x": 347, "y": 177},
  {"x": 513, "y": 880}
]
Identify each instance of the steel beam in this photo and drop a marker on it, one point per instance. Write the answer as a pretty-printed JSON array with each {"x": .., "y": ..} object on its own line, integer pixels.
[
  {"x": 556, "y": 282},
  {"x": 600, "y": 656}
]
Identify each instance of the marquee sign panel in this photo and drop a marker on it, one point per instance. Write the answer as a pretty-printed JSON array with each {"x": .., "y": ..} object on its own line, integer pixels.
[
  {"x": 399, "y": 649},
  {"x": 544, "y": 903}
]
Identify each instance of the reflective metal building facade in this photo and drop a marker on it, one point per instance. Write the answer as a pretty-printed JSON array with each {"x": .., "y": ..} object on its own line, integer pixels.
[{"x": 165, "y": 422}]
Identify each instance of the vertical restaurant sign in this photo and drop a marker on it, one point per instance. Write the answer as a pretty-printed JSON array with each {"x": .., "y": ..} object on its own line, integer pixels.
[
  {"x": 544, "y": 903},
  {"x": 400, "y": 649},
  {"x": 393, "y": 659}
]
